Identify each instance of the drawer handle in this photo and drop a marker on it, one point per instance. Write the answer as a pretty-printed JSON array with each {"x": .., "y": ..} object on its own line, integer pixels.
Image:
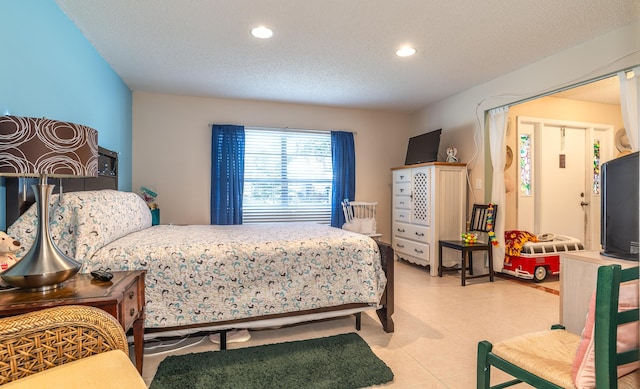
[
  {"x": 132, "y": 312},
  {"x": 400, "y": 245},
  {"x": 401, "y": 190},
  {"x": 131, "y": 295},
  {"x": 400, "y": 229},
  {"x": 418, "y": 251},
  {"x": 401, "y": 216},
  {"x": 402, "y": 177},
  {"x": 419, "y": 233},
  {"x": 401, "y": 202}
]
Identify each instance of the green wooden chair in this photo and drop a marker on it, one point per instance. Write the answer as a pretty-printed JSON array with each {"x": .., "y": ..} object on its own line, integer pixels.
[{"x": 545, "y": 359}]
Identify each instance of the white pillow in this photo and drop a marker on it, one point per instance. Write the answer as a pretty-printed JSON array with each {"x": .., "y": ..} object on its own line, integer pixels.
[
  {"x": 367, "y": 226},
  {"x": 353, "y": 225}
]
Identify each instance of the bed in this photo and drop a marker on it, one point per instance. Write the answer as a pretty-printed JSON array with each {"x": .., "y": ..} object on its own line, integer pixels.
[{"x": 205, "y": 277}]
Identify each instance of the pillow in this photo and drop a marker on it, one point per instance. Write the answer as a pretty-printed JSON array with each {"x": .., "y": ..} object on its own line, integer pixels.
[
  {"x": 82, "y": 222},
  {"x": 353, "y": 225},
  {"x": 583, "y": 369},
  {"x": 367, "y": 226}
]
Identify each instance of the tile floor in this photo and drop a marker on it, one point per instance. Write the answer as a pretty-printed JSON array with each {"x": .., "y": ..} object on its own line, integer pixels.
[{"x": 438, "y": 324}]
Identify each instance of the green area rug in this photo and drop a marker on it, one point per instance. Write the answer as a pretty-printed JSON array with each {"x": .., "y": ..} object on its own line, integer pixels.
[{"x": 341, "y": 361}]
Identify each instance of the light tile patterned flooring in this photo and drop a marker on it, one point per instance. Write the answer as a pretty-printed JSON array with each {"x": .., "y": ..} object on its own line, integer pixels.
[{"x": 438, "y": 324}]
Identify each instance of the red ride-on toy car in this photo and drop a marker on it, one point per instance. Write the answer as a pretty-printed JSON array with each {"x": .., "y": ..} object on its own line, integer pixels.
[{"x": 538, "y": 258}]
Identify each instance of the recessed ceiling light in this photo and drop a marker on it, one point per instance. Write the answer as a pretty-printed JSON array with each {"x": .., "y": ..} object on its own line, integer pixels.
[
  {"x": 262, "y": 32},
  {"x": 405, "y": 51}
]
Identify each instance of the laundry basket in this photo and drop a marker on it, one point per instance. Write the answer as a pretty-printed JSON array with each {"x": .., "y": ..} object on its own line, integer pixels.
[{"x": 360, "y": 216}]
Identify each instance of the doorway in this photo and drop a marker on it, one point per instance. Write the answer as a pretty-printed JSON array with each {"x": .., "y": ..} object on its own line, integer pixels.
[
  {"x": 591, "y": 112},
  {"x": 560, "y": 161}
]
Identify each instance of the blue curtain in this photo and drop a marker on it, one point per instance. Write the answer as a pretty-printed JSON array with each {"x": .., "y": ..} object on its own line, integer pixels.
[
  {"x": 227, "y": 174},
  {"x": 343, "y": 157}
]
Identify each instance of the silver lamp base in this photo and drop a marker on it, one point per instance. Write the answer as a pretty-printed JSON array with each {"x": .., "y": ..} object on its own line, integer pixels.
[{"x": 44, "y": 266}]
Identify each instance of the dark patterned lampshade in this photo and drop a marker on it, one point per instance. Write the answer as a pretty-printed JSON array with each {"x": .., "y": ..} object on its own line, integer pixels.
[{"x": 31, "y": 147}]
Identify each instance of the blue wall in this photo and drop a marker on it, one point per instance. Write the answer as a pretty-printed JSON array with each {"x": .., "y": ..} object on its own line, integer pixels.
[{"x": 48, "y": 68}]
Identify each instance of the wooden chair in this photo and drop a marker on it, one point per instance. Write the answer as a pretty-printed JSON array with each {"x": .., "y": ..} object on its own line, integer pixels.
[
  {"x": 360, "y": 216},
  {"x": 545, "y": 359},
  {"x": 478, "y": 225}
]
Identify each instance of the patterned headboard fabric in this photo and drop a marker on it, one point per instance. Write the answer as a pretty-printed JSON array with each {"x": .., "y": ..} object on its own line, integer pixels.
[{"x": 82, "y": 222}]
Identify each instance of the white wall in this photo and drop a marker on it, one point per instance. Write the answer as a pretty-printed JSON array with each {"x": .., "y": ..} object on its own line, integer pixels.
[
  {"x": 172, "y": 147},
  {"x": 462, "y": 116}
]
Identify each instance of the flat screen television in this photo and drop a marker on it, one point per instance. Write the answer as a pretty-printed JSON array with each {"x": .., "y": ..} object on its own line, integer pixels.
[
  {"x": 423, "y": 148},
  {"x": 619, "y": 212}
]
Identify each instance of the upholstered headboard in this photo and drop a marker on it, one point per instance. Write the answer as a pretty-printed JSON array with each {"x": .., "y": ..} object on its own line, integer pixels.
[{"x": 19, "y": 194}]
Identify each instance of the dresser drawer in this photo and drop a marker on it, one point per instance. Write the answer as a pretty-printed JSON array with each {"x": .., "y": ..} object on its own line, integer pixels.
[
  {"x": 402, "y": 215},
  {"x": 412, "y": 232},
  {"x": 401, "y": 176},
  {"x": 131, "y": 305},
  {"x": 402, "y": 202},
  {"x": 415, "y": 249},
  {"x": 402, "y": 189}
]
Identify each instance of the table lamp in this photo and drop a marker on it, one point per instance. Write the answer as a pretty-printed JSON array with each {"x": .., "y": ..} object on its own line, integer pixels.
[{"x": 33, "y": 147}]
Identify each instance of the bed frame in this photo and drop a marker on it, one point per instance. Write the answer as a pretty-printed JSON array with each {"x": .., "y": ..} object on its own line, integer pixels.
[
  {"x": 384, "y": 312},
  {"x": 19, "y": 196}
]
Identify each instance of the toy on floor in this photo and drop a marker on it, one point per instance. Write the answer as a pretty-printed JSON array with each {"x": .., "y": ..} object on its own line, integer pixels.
[
  {"x": 8, "y": 246},
  {"x": 535, "y": 257}
]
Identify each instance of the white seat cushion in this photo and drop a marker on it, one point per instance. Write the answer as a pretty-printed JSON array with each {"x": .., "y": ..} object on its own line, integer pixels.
[{"x": 112, "y": 369}]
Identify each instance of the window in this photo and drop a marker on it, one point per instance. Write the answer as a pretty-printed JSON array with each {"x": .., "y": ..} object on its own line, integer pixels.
[
  {"x": 525, "y": 164},
  {"x": 596, "y": 166},
  {"x": 287, "y": 176}
]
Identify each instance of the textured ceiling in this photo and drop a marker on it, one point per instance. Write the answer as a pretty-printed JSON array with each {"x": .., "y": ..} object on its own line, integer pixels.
[
  {"x": 334, "y": 52},
  {"x": 605, "y": 91}
]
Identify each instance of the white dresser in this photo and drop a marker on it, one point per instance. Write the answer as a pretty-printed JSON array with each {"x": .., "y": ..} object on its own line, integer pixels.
[{"x": 429, "y": 204}]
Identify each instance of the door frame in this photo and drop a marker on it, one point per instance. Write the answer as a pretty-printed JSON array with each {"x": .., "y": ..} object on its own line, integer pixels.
[{"x": 528, "y": 206}]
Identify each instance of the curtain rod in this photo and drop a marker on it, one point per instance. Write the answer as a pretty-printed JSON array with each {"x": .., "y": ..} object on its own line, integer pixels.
[{"x": 293, "y": 129}]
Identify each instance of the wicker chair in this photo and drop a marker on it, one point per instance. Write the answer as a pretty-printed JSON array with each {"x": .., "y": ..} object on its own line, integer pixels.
[{"x": 37, "y": 341}]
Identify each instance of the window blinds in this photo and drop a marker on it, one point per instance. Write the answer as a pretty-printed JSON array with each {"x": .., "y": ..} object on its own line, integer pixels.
[{"x": 287, "y": 175}]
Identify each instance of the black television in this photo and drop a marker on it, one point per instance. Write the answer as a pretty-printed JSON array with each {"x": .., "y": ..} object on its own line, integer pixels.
[
  {"x": 619, "y": 212},
  {"x": 423, "y": 148}
]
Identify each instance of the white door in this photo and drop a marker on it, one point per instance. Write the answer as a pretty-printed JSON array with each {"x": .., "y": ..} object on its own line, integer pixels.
[{"x": 562, "y": 186}]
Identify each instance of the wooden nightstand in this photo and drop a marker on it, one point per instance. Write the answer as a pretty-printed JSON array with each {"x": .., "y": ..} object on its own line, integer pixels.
[{"x": 123, "y": 297}]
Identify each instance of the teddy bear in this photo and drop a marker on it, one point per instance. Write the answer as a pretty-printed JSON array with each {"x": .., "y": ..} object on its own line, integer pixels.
[{"x": 7, "y": 247}]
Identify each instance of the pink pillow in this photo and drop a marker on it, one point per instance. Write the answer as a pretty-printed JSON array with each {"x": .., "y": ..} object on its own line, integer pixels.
[{"x": 583, "y": 370}]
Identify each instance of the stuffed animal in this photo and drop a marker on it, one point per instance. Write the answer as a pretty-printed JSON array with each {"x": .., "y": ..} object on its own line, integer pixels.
[{"x": 7, "y": 247}]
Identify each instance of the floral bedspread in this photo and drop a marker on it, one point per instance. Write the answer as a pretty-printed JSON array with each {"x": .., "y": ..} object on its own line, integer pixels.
[{"x": 203, "y": 274}]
